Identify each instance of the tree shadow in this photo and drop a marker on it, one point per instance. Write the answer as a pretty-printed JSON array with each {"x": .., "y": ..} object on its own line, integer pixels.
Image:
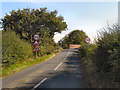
[{"x": 70, "y": 77}]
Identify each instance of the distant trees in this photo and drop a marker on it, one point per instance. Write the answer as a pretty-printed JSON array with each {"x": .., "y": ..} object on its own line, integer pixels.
[
  {"x": 74, "y": 37},
  {"x": 27, "y": 22}
]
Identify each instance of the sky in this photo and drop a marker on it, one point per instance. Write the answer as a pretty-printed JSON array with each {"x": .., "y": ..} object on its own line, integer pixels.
[{"x": 87, "y": 16}]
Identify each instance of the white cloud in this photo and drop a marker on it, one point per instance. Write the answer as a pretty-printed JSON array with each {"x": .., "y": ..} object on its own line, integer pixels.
[{"x": 58, "y": 36}]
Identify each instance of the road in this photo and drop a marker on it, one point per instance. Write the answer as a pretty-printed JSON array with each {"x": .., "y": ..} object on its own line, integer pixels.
[{"x": 61, "y": 71}]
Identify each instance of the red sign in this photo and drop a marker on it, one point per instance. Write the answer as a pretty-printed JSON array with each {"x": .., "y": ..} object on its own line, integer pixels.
[
  {"x": 87, "y": 40},
  {"x": 36, "y": 37},
  {"x": 36, "y": 49},
  {"x": 36, "y": 44}
]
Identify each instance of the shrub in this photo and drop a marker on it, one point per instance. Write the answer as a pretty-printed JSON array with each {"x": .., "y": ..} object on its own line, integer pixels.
[
  {"x": 105, "y": 57},
  {"x": 49, "y": 49},
  {"x": 108, "y": 49},
  {"x": 42, "y": 50},
  {"x": 45, "y": 50},
  {"x": 14, "y": 49},
  {"x": 83, "y": 50},
  {"x": 108, "y": 53},
  {"x": 87, "y": 52}
]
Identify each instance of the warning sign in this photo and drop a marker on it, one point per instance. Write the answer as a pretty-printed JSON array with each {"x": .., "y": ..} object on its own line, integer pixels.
[
  {"x": 36, "y": 44},
  {"x": 36, "y": 49}
]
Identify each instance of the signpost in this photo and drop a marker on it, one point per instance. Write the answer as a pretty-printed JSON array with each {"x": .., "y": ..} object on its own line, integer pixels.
[
  {"x": 36, "y": 37},
  {"x": 36, "y": 49},
  {"x": 87, "y": 40},
  {"x": 36, "y": 44}
]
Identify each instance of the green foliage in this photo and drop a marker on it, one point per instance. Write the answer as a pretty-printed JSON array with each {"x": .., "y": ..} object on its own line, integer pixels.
[
  {"x": 27, "y": 22},
  {"x": 45, "y": 50},
  {"x": 87, "y": 52},
  {"x": 42, "y": 51},
  {"x": 107, "y": 53},
  {"x": 77, "y": 37},
  {"x": 19, "y": 27},
  {"x": 105, "y": 57},
  {"x": 14, "y": 49},
  {"x": 74, "y": 37},
  {"x": 83, "y": 50},
  {"x": 20, "y": 66},
  {"x": 87, "y": 61}
]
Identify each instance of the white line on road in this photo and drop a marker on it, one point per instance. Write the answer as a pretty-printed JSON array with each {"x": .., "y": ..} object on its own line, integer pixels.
[
  {"x": 39, "y": 83},
  {"x": 58, "y": 66},
  {"x": 61, "y": 62},
  {"x": 67, "y": 55},
  {"x": 46, "y": 78}
]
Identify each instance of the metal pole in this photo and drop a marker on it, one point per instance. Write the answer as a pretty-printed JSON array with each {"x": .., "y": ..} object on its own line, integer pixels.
[
  {"x": 87, "y": 45},
  {"x": 36, "y": 54}
]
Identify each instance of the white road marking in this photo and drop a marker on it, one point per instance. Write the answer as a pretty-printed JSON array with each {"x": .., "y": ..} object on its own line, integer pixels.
[
  {"x": 67, "y": 55},
  {"x": 58, "y": 66},
  {"x": 62, "y": 61},
  {"x": 39, "y": 83},
  {"x": 46, "y": 78}
]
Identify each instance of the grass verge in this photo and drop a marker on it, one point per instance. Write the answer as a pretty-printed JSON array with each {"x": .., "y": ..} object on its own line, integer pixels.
[{"x": 26, "y": 64}]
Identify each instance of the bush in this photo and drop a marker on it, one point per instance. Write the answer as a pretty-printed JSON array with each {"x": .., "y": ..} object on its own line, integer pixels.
[
  {"x": 83, "y": 50},
  {"x": 42, "y": 51},
  {"x": 87, "y": 52},
  {"x": 105, "y": 57},
  {"x": 49, "y": 49},
  {"x": 108, "y": 53},
  {"x": 14, "y": 49}
]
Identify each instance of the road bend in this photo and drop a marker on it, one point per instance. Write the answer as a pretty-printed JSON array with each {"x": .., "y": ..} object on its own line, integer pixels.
[{"x": 61, "y": 71}]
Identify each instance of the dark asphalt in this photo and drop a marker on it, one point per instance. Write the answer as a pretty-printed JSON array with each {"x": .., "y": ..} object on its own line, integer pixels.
[{"x": 61, "y": 71}]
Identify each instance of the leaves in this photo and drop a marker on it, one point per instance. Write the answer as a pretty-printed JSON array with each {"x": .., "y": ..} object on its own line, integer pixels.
[
  {"x": 34, "y": 21},
  {"x": 74, "y": 37},
  {"x": 14, "y": 49}
]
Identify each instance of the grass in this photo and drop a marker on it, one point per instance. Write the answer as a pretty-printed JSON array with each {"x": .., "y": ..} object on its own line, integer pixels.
[{"x": 26, "y": 64}]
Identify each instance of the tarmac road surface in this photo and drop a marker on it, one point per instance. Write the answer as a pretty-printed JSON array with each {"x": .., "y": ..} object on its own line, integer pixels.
[{"x": 61, "y": 71}]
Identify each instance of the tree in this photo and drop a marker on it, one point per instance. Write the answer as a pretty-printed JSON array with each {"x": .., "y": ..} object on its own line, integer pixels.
[
  {"x": 77, "y": 37},
  {"x": 27, "y": 22},
  {"x": 74, "y": 37}
]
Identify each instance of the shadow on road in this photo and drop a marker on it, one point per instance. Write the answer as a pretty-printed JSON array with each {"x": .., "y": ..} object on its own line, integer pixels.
[{"x": 69, "y": 76}]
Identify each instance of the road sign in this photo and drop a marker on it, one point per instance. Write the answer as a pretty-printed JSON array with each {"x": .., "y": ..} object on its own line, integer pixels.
[
  {"x": 36, "y": 49},
  {"x": 36, "y": 37},
  {"x": 87, "y": 40},
  {"x": 36, "y": 44}
]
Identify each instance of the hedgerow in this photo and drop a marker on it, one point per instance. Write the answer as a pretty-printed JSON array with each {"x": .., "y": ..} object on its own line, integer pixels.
[
  {"x": 101, "y": 61},
  {"x": 14, "y": 49},
  {"x": 108, "y": 52}
]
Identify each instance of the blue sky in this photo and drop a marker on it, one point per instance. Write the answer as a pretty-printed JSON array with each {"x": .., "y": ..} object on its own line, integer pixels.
[{"x": 87, "y": 16}]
